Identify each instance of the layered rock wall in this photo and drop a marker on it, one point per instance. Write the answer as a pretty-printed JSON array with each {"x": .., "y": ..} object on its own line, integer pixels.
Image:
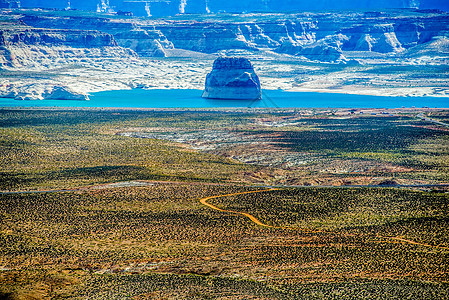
[
  {"x": 52, "y": 37},
  {"x": 144, "y": 39},
  {"x": 316, "y": 36},
  {"x": 29, "y": 47},
  {"x": 49, "y": 47}
]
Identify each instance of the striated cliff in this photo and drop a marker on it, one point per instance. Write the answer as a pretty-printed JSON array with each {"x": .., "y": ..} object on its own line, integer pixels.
[
  {"x": 320, "y": 36},
  {"x": 56, "y": 37},
  {"x": 315, "y": 36},
  {"x": 141, "y": 37},
  {"x": 24, "y": 46},
  {"x": 232, "y": 78}
]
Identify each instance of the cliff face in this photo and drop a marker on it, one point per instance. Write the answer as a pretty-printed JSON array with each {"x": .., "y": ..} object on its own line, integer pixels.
[
  {"x": 22, "y": 46},
  {"x": 316, "y": 36},
  {"x": 49, "y": 37},
  {"x": 144, "y": 39},
  {"x": 232, "y": 78},
  {"x": 62, "y": 4}
]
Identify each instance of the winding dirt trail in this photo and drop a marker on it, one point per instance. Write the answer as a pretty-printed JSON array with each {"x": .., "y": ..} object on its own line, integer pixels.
[
  {"x": 204, "y": 202},
  {"x": 258, "y": 222},
  {"x": 251, "y": 217}
]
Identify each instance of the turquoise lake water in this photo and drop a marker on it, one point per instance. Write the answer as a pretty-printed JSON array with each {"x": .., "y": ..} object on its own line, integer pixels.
[{"x": 192, "y": 99}]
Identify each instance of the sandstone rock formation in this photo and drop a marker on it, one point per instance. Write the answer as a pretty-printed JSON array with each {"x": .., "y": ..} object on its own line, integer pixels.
[
  {"x": 232, "y": 78},
  {"x": 146, "y": 43}
]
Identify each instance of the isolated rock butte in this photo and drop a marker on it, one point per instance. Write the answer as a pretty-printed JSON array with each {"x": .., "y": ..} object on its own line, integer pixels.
[{"x": 232, "y": 78}]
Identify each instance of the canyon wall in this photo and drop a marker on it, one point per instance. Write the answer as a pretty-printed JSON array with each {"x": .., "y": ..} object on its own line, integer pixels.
[
  {"x": 22, "y": 46},
  {"x": 316, "y": 36}
]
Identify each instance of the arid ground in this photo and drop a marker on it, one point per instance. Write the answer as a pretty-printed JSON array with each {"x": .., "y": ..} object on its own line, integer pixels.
[{"x": 224, "y": 204}]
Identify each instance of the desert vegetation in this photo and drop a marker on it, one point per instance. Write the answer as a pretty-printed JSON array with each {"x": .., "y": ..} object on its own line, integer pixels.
[
  {"x": 159, "y": 240},
  {"x": 68, "y": 149},
  {"x": 89, "y": 212}
]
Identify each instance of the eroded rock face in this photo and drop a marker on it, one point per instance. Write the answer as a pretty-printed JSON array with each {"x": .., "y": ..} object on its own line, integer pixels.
[
  {"x": 316, "y": 36},
  {"x": 320, "y": 51},
  {"x": 232, "y": 78},
  {"x": 56, "y": 37}
]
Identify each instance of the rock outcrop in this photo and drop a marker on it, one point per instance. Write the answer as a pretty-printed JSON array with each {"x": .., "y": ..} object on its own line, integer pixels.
[
  {"x": 144, "y": 39},
  {"x": 320, "y": 51},
  {"x": 146, "y": 43},
  {"x": 316, "y": 36},
  {"x": 42, "y": 92},
  {"x": 33, "y": 50},
  {"x": 63, "y": 93},
  {"x": 232, "y": 78}
]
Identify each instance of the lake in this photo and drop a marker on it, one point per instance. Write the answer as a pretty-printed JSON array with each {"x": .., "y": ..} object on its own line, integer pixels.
[{"x": 192, "y": 99}]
